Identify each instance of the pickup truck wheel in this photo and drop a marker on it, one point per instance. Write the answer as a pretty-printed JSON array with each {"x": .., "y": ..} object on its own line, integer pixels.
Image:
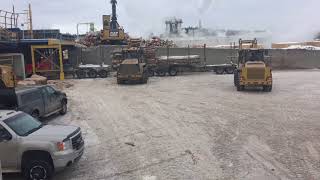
[
  {"x": 38, "y": 169},
  {"x": 35, "y": 114},
  {"x": 103, "y": 74},
  {"x": 64, "y": 108},
  {"x": 236, "y": 78},
  {"x": 92, "y": 73}
]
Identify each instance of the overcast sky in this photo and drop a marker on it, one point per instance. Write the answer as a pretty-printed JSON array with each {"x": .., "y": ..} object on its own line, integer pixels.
[{"x": 288, "y": 20}]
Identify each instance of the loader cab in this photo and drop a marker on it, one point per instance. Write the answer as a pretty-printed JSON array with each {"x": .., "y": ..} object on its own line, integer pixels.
[
  {"x": 251, "y": 55},
  {"x": 254, "y": 67}
]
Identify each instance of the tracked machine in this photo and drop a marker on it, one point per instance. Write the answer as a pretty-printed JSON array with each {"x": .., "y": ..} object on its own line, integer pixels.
[{"x": 253, "y": 67}]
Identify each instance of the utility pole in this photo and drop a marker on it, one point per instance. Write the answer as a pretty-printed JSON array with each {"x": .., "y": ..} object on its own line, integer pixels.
[{"x": 30, "y": 22}]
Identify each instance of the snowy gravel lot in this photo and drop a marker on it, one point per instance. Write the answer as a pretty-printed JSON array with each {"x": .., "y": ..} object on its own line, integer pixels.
[{"x": 196, "y": 126}]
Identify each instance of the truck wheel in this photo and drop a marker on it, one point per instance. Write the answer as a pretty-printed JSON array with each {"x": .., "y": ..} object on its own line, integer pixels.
[
  {"x": 38, "y": 169},
  {"x": 236, "y": 78},
  {"x": 161, "y": 73},
  {"x": 2, "y": 85},
  {"x": 219, "y": 71},
  {"x": 229, "y": 70},
  {"x": 81, "y": 74},
  {"x": 150, "y": 73},
  {"x": 64, "y": 108},
  {"x": 92, "y": 73},
  {"x": 103, "y": 74},
  {"x": 173, "y": 72}
]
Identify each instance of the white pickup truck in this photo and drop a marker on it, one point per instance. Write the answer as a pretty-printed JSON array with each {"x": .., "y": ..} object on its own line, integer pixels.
[{"x": 35, "y": 149}]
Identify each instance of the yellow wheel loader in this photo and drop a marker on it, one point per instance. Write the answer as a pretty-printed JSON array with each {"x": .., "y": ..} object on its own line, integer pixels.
[{"x": 253, "y": 68}]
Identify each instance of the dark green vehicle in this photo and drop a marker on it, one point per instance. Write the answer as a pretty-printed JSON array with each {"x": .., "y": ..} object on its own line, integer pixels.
[{"x": 132, "y": 71}]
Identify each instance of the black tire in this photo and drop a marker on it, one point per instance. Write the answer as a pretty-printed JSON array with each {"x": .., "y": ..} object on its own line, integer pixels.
[
  {"x": 161, "y": 73},
  {"x": 240, "y": 88},
  {"x": 81, "y": 74},
  {"x": 151, "y": 73},
  {"x": 173, "y": 72},
  {"x": 267, "y": 88},
  {"x": 236, "y": 78},
  {"x": 219, "y": 71},
  {"x": 64, "y": 108},
  {"x": 237, "y": 81},
  {"x": 38, "y": 169},
  {"x": 229, "y": 70},
  {"x": 35, "y": 114},
  {"x": 103, "y": 74},
  {"x": 92, "y": 73}
]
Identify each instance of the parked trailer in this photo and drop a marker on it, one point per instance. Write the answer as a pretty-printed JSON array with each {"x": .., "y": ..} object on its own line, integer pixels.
[
  {"x": 172, "y": 65},
  {"x": 222, "y": 68},
  {"x": 92, "y": 71}
]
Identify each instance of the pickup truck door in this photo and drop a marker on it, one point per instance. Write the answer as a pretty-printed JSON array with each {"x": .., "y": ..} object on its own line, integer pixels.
[
  {"x": 8, "y": 150},
  {"x": 53, "y": 99}
]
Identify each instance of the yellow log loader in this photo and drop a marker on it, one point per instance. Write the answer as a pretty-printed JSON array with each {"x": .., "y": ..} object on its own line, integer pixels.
[{"x": 112, "y": 33}]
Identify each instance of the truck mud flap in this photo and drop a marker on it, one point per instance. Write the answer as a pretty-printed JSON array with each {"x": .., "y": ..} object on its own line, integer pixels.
[{"x": 8, "y": 99}]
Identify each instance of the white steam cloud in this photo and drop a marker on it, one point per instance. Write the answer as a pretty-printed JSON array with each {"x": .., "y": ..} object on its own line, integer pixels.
[{"x": 287, "y": 20}]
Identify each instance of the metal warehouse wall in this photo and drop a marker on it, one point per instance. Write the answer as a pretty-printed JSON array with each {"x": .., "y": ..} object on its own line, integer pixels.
[{"x": 281, "y": 59}]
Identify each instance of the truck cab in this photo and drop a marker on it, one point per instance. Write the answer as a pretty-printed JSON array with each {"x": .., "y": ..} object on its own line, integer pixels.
[
  {"x": 38, "y": 101},
  {"x": 34, "y": 149}
]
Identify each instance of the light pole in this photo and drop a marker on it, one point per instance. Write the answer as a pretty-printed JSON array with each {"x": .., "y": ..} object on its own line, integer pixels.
[{"x": 22, "y": 25}]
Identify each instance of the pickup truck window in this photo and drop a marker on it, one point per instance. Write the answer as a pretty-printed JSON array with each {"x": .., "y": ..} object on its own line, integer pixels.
[
  {"x": 4, "y": 134},
  {"x": 23, "y": 124},
  {"x": 30, "y": 97},
  {"x": 50, "y": 90}
]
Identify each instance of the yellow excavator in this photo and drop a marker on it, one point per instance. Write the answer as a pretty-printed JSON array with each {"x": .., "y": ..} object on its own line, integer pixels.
[
  {"x": 112, "y": 33},
  {"x": 254, "y": 67},
  {"x": 7, "y": 77}
]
